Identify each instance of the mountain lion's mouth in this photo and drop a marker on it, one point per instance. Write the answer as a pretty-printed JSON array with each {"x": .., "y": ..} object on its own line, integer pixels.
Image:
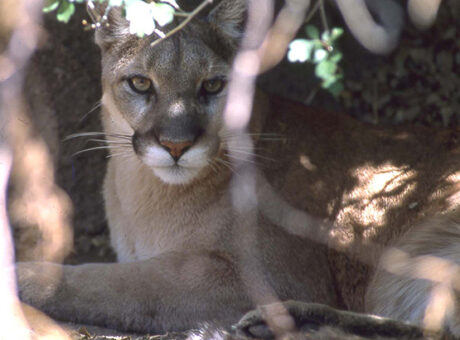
[
  {"x": 176, "y": 174},
  {"x": 171, "y": 171}
]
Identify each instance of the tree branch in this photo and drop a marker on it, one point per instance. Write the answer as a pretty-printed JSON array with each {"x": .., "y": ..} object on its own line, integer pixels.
[{"x": 193, "y": 14}]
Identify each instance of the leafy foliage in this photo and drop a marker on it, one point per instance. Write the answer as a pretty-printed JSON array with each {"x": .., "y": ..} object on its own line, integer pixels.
[
  {"x": 65, "y": 8},
  {"x": 145, "y": 16},
  {"x": 321, "y": 50}
]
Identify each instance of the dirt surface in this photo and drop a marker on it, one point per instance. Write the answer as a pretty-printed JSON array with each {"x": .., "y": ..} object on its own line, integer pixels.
[{"x": 417, "y": 84}]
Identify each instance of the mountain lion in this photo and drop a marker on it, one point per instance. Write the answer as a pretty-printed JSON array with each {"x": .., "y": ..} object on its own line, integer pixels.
[{"x": 187, "y": 258}]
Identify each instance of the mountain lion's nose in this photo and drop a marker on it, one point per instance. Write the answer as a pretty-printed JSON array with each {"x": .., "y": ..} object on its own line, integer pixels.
[{"x": 176, "y": 149}]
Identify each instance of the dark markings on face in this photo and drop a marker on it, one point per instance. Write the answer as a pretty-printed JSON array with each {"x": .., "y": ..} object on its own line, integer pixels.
[{"x": 177, "y": 67}]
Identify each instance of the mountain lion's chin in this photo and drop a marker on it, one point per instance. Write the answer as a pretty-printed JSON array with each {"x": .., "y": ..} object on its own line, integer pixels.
[
  {"x": 180, "y": 172},
  {"x": 176, "y": 175}
]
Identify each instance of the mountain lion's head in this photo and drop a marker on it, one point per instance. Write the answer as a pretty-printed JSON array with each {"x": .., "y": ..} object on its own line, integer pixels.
[{"x": 170, "y": 97}]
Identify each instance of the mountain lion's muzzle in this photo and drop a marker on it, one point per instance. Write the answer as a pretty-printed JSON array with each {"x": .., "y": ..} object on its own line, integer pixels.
[{"x": 174, "y": 134}]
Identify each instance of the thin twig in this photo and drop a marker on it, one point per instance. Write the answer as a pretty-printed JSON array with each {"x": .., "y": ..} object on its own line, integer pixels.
[
  {"x": 312, "y": 95},
  {"x": 323, "y": 15},
  {"x": 95, "y": 17},
  {"x": 181, "y": 14},
  {"x": 193, "y": 14},
  {"x": 314, "y": 9}
]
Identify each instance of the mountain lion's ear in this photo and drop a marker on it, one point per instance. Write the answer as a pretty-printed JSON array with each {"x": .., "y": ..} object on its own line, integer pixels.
[
  {"x": 228, "y": 18},
  {"x": 112, "y": 29}
]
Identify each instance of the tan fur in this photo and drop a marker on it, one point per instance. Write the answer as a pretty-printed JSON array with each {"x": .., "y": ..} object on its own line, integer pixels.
[
  {"x": 419, "y": 278},
  {"x": 185, "y": 256}
]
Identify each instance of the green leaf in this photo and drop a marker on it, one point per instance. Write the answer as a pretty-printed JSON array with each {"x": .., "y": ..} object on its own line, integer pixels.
[
  {"x": 336, "y": 33},
  {"x": 326, "y": 83},
  {"x": 336, "y": 57},
  {"x": 335, "y": 88},
  {"x": 325, "y": 69},
  {"x": 312, "y": 32},
  {"x": 50, "y": 5},
  {"x": 326, "y": 35},
  {"x": 65, "y": 12},
  {"x": 318, "y": 44}
]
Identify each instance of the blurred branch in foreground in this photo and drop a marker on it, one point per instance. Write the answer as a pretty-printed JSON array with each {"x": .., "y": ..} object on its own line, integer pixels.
[
  {"x": 263, "y": 46},
  {"x": 41, "y": 204}
]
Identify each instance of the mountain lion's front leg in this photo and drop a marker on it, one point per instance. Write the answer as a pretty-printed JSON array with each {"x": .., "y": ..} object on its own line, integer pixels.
[{"x": 173, "y": 291}]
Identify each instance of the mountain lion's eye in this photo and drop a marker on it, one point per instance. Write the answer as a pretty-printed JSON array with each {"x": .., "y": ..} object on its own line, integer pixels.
[
  {"x": 213, "y": 86},
  {"x": 140, "y": 84}
]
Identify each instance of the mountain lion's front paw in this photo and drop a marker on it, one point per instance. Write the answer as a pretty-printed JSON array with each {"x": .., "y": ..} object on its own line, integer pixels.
[
  {"x": 266, "y": 322},
  {"x": 292, "y": 316},
  {"x": 271, "y": 321},
  {"x": 38, "y": 282}
]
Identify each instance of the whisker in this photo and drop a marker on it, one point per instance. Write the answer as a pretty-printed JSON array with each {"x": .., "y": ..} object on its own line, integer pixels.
[
  {"x": 241, "y": 157},
  {"x": 223, "y": 160},
  {"x": 105, "y": 147},
  {"x": 94, "y": 108},
  {"x": 117, "y": 135},
  {"x": 121, "y": 145},
  {"x": 119, "y": 154},
  {"x": 216, "y": 166},
  {"x": 227, "y": 164},
  {"x": 108, "y": 141},
  {"x": 272, "y": 139},
  {"x": 83, "y": 134},
  {"x": 246, "y": 148},
  {"x": 247, "y": 160},
  {"x": 243, "y": 152},
  {"x": 95, "y": 133},
  {"x": 260, "y": 134},
  {"x": 260, "y": 139},
  {"x": 213, "y": 166}
]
